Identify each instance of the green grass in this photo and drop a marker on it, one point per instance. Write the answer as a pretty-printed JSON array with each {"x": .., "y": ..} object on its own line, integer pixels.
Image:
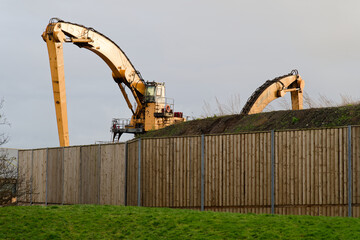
[{"x": 117, "y": 222}]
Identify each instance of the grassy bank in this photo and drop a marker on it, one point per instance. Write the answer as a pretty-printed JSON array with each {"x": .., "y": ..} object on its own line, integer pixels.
[
  {"x": 116, "y": 222},
  {"x": 277, "y": 120}
]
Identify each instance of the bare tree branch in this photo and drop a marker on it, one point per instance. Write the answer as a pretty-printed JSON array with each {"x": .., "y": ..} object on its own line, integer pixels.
[{"x": 12, "y": 186}]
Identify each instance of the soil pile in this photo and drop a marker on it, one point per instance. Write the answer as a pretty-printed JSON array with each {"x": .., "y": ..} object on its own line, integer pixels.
[{"x": 277, "y": 120}]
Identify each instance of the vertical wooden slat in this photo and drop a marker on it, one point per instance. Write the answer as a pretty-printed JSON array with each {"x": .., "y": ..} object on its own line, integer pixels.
[
  {"x": 291, "y": 167},
  {"x": 257, "y": 160},
  {"x": 278, "y": 172},
  {"x": 253, "y": 170},
  {"x": 243, "y": 192},
  {"x": 272, "y": 171},
  {"x": 341, "y": 168},
  {"x": 287, "y": 151},
  {"x": 218, "y": 159},
  {"x": 247, "y": 173},
  {"x": 331, "y": 156},
  {"x": 237, "y": 170},
  {"x": 150, "y": 161},
  {"x": 327, "y": 155},
  {"x": 303, "y": 170},
  {"x": 232, "y": 170},
  {"x": 316, "y": 168},
  {"x": 212, "y": 168},
  {"x": 269, "y": 163},
  {"x": 320, "y": 171},
  {"x": 164, "y": 172},
  {"x": 299, "y": 171}
]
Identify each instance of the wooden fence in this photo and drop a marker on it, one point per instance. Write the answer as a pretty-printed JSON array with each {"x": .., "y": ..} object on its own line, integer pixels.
[
  {"x": 92, "y": 174},
  {"x": 313, "y": 172}
]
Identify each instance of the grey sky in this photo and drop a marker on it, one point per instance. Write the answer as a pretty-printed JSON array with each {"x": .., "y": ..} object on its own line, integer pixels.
[{"x": 200, "y": 49}]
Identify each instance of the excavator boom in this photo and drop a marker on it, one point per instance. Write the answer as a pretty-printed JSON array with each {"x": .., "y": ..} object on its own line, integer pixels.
[{"x": 273, "y": 89}]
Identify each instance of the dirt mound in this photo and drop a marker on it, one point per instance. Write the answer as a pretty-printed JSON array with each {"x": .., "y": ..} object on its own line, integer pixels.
[{"x": 278, "y": 120}]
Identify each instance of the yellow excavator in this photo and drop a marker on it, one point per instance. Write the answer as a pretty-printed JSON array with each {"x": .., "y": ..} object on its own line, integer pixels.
[{"x": 153, "y": 110}]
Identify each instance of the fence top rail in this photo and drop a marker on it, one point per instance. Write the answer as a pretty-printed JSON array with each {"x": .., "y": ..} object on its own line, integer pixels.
[{"x": 73, "y": 146}]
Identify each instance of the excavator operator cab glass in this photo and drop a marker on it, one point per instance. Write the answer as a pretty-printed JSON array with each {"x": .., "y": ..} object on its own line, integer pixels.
[{"x": 150, "y": 94}]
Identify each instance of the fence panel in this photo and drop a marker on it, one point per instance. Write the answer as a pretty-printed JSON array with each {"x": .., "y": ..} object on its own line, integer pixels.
[
  {"x": 132, "y": 174},
  {"x": 89, "y": 174},
  {"x": 72, "y": 175},
  {"x": 112, "y": 182},
  {"x": 155, "y": 185},
  {"x": 311, "y": 172},
  {"x": 25, "y": 173},
  {"x": 170, "y": 172},
  {"x": 237, "y": 172},
  {"x": 39, "y": 175},
  {"x": 55, "y": 176}
]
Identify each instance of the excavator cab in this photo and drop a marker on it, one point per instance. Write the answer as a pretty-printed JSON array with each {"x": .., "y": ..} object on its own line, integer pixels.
[
  {"x": 155, "y": 92},
  {"x": 150, "y": 93},
  {"x": 155, "y": 95}
]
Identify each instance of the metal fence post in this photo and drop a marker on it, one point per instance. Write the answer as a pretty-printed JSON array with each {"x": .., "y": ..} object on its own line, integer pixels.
[
  {"x": 126, "y": 167},
  {"x": 31, "y": 177},
  {"x": 272, "y": 172},
  {"x": 202, "y": 172},
  {"x": 46, "y": 178},
  {"x": 63, "y": 175},
  {"x": 17, "y": 176},
  {"x": 139, "y": 173},
  {"x": 80, "y": 177},
  {"x": 349, "y": 173},
  {"x": 190, "y": 172},
  {"x": 99, "y": 172}
]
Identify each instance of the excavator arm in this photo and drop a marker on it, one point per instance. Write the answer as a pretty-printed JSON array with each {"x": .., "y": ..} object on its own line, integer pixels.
[
  {"x": 57, "y": 32},
  {"x": 273, "y": 89}
]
